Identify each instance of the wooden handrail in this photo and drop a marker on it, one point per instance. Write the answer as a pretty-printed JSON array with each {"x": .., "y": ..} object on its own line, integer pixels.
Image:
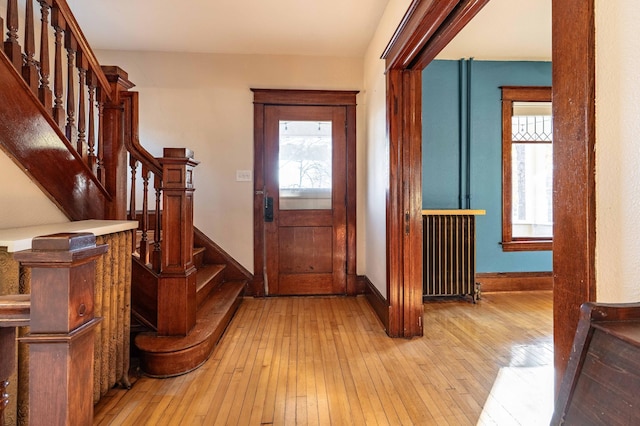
[{"x": 132, "y": 135}]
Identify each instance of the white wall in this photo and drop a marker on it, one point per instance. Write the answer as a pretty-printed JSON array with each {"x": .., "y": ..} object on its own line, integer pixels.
[
  {"x": 617, "y": 151},
  {"x": 22, "y": 203},
  {"x": 377, "y": 147},
  {"x": 203, "y": 102}
]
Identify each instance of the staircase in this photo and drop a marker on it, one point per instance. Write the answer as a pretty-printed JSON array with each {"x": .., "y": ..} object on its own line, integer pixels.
[
  {"x": 220, "y": 285},
  {"x": 72, "y": 125}
]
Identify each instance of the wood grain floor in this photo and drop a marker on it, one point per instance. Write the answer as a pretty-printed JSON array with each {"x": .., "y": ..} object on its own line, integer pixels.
[{"x": 321, "y": 361}]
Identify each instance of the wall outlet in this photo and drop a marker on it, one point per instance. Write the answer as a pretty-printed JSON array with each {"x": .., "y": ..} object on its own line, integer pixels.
[{"x": 244, "y": 176}]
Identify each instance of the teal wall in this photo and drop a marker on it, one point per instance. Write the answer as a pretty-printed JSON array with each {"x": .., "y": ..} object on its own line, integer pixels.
[{"x": 462, "y": 149}]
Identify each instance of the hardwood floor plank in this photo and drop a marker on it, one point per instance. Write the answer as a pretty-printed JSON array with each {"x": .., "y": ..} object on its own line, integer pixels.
[{"x": 327, "y": 360}]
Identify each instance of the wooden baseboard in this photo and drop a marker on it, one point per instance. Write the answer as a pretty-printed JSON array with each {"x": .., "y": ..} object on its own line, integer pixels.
[
  {"x": 377, "y": 301},
  {"x": 514, "y": 281}
]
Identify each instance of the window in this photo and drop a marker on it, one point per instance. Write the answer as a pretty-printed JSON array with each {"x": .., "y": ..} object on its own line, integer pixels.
[{"x": 527, "y": 169}]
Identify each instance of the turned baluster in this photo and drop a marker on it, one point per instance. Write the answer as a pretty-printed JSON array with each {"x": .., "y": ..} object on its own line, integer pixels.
[
  {"x": 11, "y": 45},
  {"x": 59, "y": 26},
  {"x": 82, "y": 65},
  {"x": 144, "y": 239},
  {"x": 44, "y": 92},
  {"x": 72, "y": 47},
  {"x": 100, "y": 163},
  {"x": 91, "y": 155},
  {"x": 156, "y": 260},
  {"x": 133, "y": 165},
  {"x": 30, "y": 68}
]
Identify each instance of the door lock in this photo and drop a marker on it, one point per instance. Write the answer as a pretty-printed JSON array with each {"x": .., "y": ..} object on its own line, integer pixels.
[{"x": 268, "y": 209}]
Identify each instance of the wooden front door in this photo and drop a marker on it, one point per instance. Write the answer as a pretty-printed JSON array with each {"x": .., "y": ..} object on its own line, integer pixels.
[{"x": 305, "y": 187}]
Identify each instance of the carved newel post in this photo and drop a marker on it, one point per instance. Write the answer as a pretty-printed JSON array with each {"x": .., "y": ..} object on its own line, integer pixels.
[
  {"x": 62, "y": 325},
  {"x": 177, "y": 283}
]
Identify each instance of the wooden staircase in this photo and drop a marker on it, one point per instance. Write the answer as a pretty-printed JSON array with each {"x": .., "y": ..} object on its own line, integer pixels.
[
  {"x": 72, "y": 125},
  {"x": 220, "y": 286}
]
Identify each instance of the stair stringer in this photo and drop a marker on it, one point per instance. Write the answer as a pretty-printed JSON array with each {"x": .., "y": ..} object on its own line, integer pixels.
[{"x": 30, "y": 137}]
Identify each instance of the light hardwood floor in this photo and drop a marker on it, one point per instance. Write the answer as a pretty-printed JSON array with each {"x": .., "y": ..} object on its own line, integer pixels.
[{"x": 321, "y": 361}]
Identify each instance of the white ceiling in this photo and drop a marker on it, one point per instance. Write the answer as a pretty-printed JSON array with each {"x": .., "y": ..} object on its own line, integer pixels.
[
  {"x": 277, "y": 27},
  {"x": 504, "y": 29}
]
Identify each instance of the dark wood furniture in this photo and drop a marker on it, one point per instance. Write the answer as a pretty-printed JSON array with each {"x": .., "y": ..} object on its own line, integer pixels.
[{"x": 601, "y": 385}]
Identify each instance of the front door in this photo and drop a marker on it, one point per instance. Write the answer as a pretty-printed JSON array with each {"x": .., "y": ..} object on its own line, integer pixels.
[{"x": 305, "y": 187}]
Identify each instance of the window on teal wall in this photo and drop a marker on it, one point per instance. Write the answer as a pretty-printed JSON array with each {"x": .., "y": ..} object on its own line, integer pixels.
[{"x": 527, "y": 169}]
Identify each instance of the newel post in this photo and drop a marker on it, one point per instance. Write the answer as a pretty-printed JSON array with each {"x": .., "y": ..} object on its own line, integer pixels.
[
  {"x": 177, "y": 283},
  {"x": 114, "y": 151},
  {"x": 62, "y": 325}
]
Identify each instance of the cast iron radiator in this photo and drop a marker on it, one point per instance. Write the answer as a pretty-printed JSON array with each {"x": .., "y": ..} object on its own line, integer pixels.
[{"x": 449, "y": 255}]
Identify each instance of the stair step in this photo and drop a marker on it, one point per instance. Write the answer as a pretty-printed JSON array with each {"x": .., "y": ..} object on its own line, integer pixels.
[
  {"x": 173, "y": 356},
  {"x": 198, "y": 256},
  {"x": 208, "y": 277}
]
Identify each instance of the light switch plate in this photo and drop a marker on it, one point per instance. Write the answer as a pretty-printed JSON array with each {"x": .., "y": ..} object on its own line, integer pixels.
[{"x": 243, "y": 175}]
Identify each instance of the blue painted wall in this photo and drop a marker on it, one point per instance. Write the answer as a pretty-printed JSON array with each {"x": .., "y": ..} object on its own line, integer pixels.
[{"x": 463, "y": 99}]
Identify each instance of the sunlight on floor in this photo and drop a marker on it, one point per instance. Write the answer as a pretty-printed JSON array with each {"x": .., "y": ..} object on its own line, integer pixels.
[{"x": 520, "y": 396}]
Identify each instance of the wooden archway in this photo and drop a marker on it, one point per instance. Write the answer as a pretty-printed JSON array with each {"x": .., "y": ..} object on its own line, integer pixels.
[{"x": 427, "y": 27}]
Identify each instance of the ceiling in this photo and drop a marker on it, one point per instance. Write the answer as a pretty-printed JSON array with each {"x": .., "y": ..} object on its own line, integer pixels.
[
  {"x": 276, "y": 27},
  {"x": 504, "y": 29}
]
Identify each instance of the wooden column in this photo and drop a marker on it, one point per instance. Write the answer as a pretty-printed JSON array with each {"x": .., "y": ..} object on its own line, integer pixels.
[
  {"x": 62, "y": 324},
  {"x": 177, "y": 283},
  {"x": 111, "y": 145}
]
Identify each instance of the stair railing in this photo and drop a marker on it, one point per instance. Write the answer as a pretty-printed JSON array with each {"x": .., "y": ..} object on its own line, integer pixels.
[
  {"x": 61, "y": 70},
  {"x": 169, "y": 254},
  {"x": 93, "y": 107},
  {"x": 147, "y": 249}
]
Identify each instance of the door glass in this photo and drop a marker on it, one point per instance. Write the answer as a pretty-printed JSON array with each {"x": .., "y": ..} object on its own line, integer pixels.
[{"x": 304, "y": 165}]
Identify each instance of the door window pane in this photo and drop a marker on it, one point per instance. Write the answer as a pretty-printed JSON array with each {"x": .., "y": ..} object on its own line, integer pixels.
[{"x": 304, "y": 165}]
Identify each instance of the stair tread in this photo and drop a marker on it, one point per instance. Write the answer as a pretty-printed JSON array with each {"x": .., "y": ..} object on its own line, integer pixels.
[
  {"x": 206, "y": 273},
  {"x": 209, "y": 319}
]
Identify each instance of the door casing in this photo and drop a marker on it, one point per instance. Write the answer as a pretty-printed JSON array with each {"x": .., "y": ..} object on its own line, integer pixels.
[{"x": 265, "y": 97}]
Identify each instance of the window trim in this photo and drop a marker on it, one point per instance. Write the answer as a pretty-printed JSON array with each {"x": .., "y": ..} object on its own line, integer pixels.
[{"x": 511, "y": 94}]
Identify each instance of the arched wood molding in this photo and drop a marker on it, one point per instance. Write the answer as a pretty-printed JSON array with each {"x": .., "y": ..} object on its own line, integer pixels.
[{"x": 427, "y": 27}]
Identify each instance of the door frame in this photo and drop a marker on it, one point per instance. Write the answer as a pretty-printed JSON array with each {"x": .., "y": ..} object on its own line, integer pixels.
[
  {"x": 340, "y": 98},
  {"x": 427, "y": 27}
]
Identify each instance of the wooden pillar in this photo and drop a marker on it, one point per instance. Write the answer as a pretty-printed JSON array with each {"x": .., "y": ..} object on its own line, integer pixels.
[
  {"x": 177, "y": 283},
  {"x": 114, "y": 152},
  {"x": 62, "y": 325}
]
